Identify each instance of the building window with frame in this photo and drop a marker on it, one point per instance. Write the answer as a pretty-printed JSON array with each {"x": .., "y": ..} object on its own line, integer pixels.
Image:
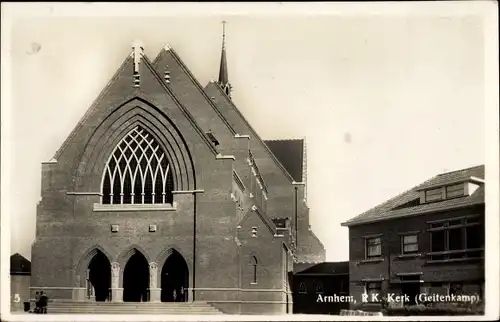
[
  {"x": 137, "y": 172},
  {"x": 409, "y": 244},
  {"x": 373, "y": 290},
  {"x": 302, "y": 288},
  {"x": 254, "y": 269},
  {"x": 319, "y": 288},
  {"x": 373, "y": 247},
  {"x": 457, "y": 238}
]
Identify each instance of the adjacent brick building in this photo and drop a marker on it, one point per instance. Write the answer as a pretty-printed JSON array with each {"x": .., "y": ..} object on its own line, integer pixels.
[
  {"x": 429, "y": 239},
  {"x": 321, "y": 288},
  {"x": 163, "y": 185}
]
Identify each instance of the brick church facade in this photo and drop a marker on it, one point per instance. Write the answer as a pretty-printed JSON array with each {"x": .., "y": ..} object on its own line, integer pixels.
[{"x": 164, "y": 192}]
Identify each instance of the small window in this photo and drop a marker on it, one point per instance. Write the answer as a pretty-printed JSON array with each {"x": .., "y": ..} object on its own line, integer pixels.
[
  {"x": 373, "y": 288},
  {"x": 409, "y": 244},
  {"x": 302, "y": 288},
  {"x": 254, "y": 269},
  {"x": 455, "y": 288},
  {"x": 373, "y": 248},
  {"x": 475, "y": 236},
  {"x": 455, "y": 191},
  {"x": 434, "y": 195},
  {"x": 319, "y": 288}
]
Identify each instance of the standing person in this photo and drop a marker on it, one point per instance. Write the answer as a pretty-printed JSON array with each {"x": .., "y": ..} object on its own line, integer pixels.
[
  {"x": 182, "y": 294},
  {"x": 43, "y": 302},
  {"x": 37, "y": 302},
  {"x": 174, "y": 295}
]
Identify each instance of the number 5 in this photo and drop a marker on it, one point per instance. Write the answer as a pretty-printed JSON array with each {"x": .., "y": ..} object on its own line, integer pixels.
[{"x": 17, "y": 298}]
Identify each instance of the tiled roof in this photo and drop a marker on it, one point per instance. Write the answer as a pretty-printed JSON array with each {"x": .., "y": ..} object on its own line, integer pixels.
[
  {"x": 19, "y": 265},
  {"x": 325, "y": 268},
  {"x": 290, "y": 153},
  {"x": 393, "y": 208}
]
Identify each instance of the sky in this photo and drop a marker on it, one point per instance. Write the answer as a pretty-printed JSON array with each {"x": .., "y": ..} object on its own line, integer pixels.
[{"x": 384, "y": 102}]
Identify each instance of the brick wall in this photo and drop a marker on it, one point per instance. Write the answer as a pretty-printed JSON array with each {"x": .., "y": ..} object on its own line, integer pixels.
[
  {"x": 392, "y": 263},
  {"x": 69, "y": 227}
]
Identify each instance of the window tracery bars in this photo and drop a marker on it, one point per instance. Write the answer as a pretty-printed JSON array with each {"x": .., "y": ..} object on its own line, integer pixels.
[{"x": 137, "y": 172}]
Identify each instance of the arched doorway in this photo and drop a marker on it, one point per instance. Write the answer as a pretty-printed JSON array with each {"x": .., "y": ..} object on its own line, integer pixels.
[
  {"x": 174, "y": 277},
  {"x": 136, "y": 279},
  {"x": 99, "y": 277}
]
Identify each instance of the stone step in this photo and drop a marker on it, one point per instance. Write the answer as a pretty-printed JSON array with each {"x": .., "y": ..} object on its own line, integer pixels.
[
  {"x": 89, "y": 310},
  {"x": 108, "y": 304},
  {"x": 187, "y": 308},
  {"x": 131, "y": 312}
]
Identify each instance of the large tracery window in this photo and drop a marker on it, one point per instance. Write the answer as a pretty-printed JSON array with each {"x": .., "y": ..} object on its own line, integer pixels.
[{"x": 137, "y": 172}]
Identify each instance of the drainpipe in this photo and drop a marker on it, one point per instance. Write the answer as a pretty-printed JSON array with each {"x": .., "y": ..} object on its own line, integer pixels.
[
  {"x": 194, "y": 246},
  {"x": 296, "y": 220}
]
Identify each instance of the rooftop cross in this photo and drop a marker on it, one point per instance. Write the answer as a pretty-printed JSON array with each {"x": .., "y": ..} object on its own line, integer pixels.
[{"x": 224, "y": 33}]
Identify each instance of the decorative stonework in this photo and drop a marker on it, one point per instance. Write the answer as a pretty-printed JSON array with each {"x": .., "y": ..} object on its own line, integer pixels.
[
  {"x": 115, "y": 228},
  {"x": 152, "y": 228},
  {"x": 166, "y": 77},
  {"x": 153, "y": 274},
  {"x": 137, "y": 54},
  {"x": 115, "y": 274},
  {"x": 137, "y": 161}
]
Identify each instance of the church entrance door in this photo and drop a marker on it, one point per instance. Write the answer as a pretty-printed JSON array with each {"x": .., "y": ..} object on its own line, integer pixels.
[
  {"x": 99, "y": 277},
  {"x": 136, "y": 279},
  {"x": 174, "y": 279}
]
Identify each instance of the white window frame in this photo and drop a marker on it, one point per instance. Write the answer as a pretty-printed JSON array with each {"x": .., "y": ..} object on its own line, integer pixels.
[
  {"x": 139, "y": 136},
  {"x": 367, "y": 247},
  {"x": 403, "y": 244}
]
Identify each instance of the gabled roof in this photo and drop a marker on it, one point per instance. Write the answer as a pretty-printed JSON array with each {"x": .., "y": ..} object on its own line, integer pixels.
[
  {"x": 188, "y": 115},
  {"x": 19, "y": 265},
  {"x": 213, "y": 88},
  {"x": 405, "y": 204},
  {"x": 148, "y": 64},
  {"x": 168, "y": 49},
  {"x": 290, "y": 153},
  {"x": 326, "y": 268}
]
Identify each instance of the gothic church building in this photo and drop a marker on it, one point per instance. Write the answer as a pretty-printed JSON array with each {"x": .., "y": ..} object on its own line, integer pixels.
[{"x": 164, "y": 192}]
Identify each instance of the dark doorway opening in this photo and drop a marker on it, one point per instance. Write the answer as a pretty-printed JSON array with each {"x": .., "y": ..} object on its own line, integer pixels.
[
  {"x": 174, "y": 279},
  {"x": 99, "y": 276},
  {"x": 412, "y": 289},
  {"x": 136, "y": 279}
]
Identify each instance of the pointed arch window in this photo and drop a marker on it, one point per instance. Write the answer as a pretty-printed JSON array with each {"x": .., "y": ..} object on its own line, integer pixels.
[
  {"x": 302, "y": 288},
  {"x": 254, "y": 264},
  {"x": 319, "y": 288},
  {"x": 137, "y": 172}
]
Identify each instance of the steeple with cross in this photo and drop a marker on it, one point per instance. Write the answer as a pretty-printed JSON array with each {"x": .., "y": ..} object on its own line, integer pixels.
[{"x": 223, "y": 73}]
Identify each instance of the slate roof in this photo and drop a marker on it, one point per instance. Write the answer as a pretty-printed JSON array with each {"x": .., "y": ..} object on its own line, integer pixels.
[
  {"x": 326, "y": 268},
  {"x": 406, "y": 204},
  {"x": 290, "y": 153},
  {"x": 19, "y": 265}
]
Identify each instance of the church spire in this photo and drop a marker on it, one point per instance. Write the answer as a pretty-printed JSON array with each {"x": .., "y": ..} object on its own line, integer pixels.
[{"x": 223, "y": 75}]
